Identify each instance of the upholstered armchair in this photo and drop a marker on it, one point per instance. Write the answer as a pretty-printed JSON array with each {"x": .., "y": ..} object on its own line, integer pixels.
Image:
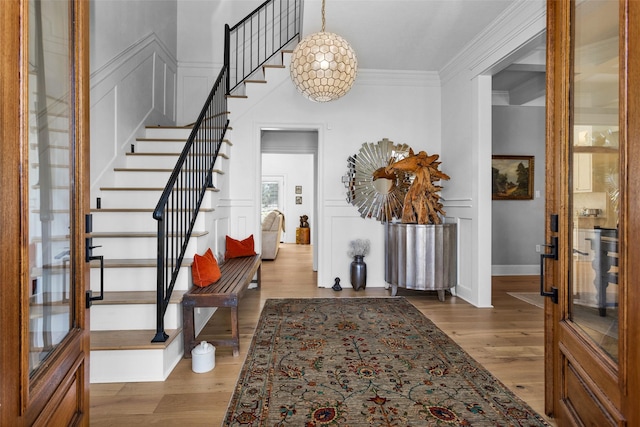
[{"x": 272, "y": 228}]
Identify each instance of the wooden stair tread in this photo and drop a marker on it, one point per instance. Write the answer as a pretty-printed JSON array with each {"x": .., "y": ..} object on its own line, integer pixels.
[
  {"x": 144, "y": 210},
  {"x": 139, "y": 339},
  {"x": 168, "y": 127},
  {"x": 158, "y": 154},
  {"x": 133, "y": 263},
  {"x": 107, "y": 234},
  {"x": 143, "y": 169},
  {"x": 136, "y": 297},
  {"x": 151, "y": 169},
  {"x": 162, "y": 139},
  {"x": 146, "y": 189}
]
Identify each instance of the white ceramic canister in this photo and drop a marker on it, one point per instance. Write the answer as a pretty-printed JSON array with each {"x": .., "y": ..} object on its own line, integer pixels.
[{"x": 203, "y": 357}]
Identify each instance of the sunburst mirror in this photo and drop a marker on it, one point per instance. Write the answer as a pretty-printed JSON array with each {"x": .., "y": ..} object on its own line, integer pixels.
[{"x": 383, "y": 197}]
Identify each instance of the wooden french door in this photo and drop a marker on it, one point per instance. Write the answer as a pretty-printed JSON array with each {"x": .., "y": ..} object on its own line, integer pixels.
[
  {"x": 44, "y": 357},
  {"x": 592, "y": 264}
]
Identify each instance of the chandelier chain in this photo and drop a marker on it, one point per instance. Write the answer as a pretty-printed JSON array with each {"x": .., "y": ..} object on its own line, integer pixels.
[{"x": 323, "y": 21}]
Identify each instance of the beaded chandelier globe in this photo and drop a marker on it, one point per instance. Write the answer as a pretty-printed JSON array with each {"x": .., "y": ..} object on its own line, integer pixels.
[{"x": 323, "y": 66}]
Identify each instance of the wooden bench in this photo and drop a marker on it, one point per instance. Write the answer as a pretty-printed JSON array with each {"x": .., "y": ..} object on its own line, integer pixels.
[{"x": 236, "y": 275}]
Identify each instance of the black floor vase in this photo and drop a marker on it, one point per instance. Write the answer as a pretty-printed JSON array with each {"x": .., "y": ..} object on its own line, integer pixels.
[{"x": 358, "y": 273}]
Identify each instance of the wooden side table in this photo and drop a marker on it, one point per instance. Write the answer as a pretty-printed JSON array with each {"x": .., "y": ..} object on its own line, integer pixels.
[{"x": 303, "y": 235}]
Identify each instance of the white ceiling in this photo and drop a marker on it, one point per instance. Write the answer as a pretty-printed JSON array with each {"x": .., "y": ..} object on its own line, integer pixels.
[
  {"x": 416, "y": 35},
  {"x": 425, "y": 35}
]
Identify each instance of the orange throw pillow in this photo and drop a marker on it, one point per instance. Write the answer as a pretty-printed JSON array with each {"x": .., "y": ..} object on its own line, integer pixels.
[
  {"x": 205, "y": 269},
  {"x": 239, "y": 248}
]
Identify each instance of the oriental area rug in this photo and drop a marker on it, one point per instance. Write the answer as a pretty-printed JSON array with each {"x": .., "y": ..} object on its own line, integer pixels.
[{"x": 364, "y": 362}]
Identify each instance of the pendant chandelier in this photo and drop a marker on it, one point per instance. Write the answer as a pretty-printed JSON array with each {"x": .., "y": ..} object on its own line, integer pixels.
[{"x": 323, "y": 66}]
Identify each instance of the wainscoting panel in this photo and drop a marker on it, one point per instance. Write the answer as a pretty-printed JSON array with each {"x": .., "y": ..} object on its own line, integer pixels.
[
  {"x": 103, "y": 130},
  {"x": 134, "y": 89},
  {"x": 194, "y": 84},
  {"x": 465, "y": 286},
  {"x": 135, "y": 97},
  {"x": 220, "y": 229}
]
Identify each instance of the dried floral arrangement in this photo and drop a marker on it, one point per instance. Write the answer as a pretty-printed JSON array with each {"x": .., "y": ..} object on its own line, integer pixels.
[{"x": 359, "y": 247}]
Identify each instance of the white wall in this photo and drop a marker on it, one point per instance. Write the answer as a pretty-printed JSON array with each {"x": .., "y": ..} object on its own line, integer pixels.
[
  {"x": 401, "y": 106},
  {"x": 201, "y": 48},
  {"x": 118, "y": 23},
  {"x": 133, "y": 77},
  {"x": 466, "y": 136},
  {"x": 518, "y": 225}
]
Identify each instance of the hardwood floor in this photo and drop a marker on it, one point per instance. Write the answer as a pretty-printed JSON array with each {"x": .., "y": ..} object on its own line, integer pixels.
[{"x": 507, "y": 339}]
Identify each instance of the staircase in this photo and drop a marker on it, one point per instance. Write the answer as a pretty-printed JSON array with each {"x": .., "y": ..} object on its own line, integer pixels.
[{"x": 123, "y": 324}]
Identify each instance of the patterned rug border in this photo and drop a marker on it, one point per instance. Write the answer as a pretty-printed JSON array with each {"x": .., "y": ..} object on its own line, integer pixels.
[{"x": 271, "y": 303}]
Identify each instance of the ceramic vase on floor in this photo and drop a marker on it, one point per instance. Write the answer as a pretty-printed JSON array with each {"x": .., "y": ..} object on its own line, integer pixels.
[{"x": 358, "y": 273}]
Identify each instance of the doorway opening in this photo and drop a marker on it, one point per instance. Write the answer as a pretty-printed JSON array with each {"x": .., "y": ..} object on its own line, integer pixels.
[
  {"x": 287, "y": 158},
  {"x": 518, "y": 130}
]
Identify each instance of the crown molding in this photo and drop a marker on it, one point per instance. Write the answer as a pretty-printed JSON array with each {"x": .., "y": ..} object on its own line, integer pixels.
[
  {"x": 512, "y": 29},
  {"x": 398, "y": 78}
]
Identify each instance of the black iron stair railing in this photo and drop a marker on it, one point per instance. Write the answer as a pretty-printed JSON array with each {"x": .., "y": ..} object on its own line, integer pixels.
[{"x": 247, "y": 46}]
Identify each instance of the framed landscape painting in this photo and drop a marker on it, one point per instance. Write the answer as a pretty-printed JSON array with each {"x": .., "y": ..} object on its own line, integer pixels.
[{"x": 512, "y": 177}]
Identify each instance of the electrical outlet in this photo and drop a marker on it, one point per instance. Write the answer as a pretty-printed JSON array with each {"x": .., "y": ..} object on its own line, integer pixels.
[{"x": 538, "y": 248}]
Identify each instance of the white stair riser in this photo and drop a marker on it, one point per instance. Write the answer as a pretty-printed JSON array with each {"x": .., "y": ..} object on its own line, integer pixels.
[
  {"x": 167, "y": 161},
  {"x": 167, "y": 133},
  {"x": 60, "y": 123},
  {"x": 141, "y": 178},
  {"x": 110, "y": 366},
  {"x": 137, "y": 179},
  {"x": 168, "y": 145},
  {"x": 57, "y": 154},
  {"x": 60, "y": 206},
  {"x": 136, "y": 279},
  {"x": 132, "y": 221},
  {"x": 58, "y": 229},
  {"x": 226, "y": 148},
  {"x": 135, "y": 199},
  {"x": 221, "y": 164},
  {"x": 123, "y": 221},
  {"x": 59, "y": 251},
  {"x": 159, "y": 146},
  {"x": 60, "y": 199},
  {"x": 129, "y": 317},
  {"x": 59, "y": 174},
  {"x": 134, "y": 248},
  {"x": 58, "y": 136}
]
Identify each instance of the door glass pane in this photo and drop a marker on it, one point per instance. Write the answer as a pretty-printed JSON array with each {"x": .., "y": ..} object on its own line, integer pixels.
[
  {"x": 50, "y": 168},
  {"x": 595, "y": 174},
  {"x": 271, "y": 195}
]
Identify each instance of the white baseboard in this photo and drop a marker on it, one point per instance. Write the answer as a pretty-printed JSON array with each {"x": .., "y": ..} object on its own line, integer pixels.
[{"x": 515, "y": 270}]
